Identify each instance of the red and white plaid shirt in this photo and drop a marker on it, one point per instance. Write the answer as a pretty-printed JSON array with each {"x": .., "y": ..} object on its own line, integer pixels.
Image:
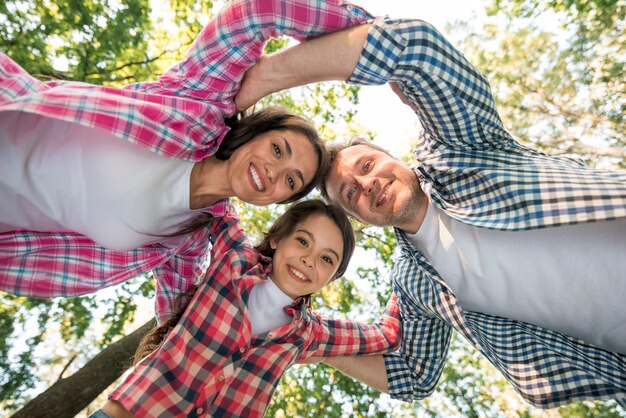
[
  {"x": 180, "y": 115},
  {"x": 211, "y": 364}
]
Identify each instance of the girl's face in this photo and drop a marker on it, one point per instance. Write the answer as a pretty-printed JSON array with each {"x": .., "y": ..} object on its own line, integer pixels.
[
  {"x": 308, "y": 258},
  {"x": 272, "y": 167}
]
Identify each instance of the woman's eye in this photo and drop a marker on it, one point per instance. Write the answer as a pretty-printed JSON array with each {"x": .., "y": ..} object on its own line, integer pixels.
[
  {"x": 327, "y": 259},
  {"x": 277, "y": 150},
  {"x": 302, "y": 241},
  {"x": 292, "y": 184}
]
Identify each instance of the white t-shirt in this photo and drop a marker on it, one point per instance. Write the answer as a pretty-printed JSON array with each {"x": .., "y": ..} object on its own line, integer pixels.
[
  {"x": 569, "y": 279},
  {"x": 266, "y": 305},
  {"x": 61, "y": 176}
]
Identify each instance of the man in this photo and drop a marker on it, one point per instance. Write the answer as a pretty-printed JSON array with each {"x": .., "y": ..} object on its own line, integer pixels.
[{"x": 519, "y": 251}]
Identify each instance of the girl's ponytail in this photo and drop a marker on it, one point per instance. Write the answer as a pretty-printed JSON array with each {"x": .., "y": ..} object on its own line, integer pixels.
[{"x": 155, "y": 337}]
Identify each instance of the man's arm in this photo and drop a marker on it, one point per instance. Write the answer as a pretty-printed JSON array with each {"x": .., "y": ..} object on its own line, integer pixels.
[
  {"x": 451, "y": 97},
  {"x": 329, "y": 57},
  {"x": 369, "y": 370},
  {"x": 234, "y": 39}
]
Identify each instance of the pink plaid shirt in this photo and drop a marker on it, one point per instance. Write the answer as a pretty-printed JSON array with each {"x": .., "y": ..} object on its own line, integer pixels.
[
  {"x": 211, "y": 365},
  {"x": 180, "y": 115}
]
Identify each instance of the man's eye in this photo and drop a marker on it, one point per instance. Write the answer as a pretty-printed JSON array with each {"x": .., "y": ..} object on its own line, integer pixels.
[
  {"x": 351, "y": 192},
  {"x": 366, "y": 166},
  {"x": 292, "y": 184},
  {"x": 277, "y": 150}
]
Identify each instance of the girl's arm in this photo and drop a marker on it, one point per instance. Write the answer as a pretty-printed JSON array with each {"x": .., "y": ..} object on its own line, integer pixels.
[
  {"x": 185, "y": 269},
  {"x": 338, "y": 337}
]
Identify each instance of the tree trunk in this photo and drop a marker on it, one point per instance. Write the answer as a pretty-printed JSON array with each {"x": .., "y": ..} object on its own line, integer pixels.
[{"x": 69, "y": 396}]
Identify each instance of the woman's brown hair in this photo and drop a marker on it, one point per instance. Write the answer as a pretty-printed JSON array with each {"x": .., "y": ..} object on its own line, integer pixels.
[{"x": 282, "y": 228}]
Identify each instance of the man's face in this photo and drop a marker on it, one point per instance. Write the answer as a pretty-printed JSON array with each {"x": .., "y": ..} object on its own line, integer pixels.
[{"x": 376, "y": 188}]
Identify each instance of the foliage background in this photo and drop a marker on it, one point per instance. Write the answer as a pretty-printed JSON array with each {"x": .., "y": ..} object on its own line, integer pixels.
[{"x": 557, "y": 70}]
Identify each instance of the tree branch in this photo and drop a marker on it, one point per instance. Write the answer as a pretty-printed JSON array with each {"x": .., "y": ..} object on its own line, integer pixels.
[{"x": 66, "y": 366}]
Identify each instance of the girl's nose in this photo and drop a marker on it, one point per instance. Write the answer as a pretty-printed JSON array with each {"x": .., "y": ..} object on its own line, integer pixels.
[{"x": 306, "y": 262}]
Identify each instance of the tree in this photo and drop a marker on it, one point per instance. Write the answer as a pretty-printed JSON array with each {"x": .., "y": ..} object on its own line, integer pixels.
[
  {"x": 68, "y": 396},
  {"x": 117, "y": 42},
  {"x": 556, "y": 69}
]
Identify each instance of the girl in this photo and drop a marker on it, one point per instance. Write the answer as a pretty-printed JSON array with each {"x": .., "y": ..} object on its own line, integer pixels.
[
  {"x": 250, "y": 320},
  {"x": 81, "y": 210}
]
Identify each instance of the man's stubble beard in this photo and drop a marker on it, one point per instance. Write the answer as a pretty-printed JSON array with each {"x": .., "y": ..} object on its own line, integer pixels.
[{"x": 407, "y": 213}]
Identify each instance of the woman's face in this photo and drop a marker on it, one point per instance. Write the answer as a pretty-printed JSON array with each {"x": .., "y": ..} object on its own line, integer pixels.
[
  {"x": 272, "y": 167},
  {"x": 308, "y": 258}
]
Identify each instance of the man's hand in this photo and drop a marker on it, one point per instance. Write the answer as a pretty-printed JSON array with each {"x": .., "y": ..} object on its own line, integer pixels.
[
  {"x": 255, "y": 85},
  {"x": 328, "y": 57}
]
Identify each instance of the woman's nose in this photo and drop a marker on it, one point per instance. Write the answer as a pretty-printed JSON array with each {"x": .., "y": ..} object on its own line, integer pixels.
[{"x": 270, "y": 172}]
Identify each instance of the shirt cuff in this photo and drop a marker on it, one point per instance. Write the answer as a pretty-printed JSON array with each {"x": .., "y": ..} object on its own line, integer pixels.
[
  {"x": 399, "y": 377},
  {"x": 381, "y": 53}
]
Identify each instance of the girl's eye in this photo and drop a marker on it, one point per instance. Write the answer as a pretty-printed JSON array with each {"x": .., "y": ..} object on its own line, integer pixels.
[
  {"x": 302, "y": 241},
  {"x": 277, "y": 152},
  {"x": 327, "y": 259},
  {"x": 291, "y": 183}
]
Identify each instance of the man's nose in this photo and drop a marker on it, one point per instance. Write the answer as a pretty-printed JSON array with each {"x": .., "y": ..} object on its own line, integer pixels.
[{"x": 367, "y": 184}]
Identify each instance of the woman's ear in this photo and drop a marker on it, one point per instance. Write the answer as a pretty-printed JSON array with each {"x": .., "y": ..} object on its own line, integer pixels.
[{"x": 273, "y": 244}]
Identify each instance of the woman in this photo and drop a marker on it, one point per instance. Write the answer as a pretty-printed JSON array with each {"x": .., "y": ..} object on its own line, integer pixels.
[{"x": 180, "y": 116}]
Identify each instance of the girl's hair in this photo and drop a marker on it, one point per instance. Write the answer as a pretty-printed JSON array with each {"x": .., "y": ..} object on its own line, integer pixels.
[
  {"x": 284, "y": 226},
  {"x": 244, "y": 128}
]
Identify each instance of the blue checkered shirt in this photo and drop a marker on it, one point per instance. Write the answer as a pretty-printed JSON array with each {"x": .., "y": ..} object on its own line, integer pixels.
[{"x": 475, "y": 171}]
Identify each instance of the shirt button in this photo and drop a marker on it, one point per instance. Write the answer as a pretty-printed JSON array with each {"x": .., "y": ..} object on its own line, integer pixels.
[
  {"x": 242, "y": 350},
  {"x": 270, "y": 335},
  {"x": 199, "y": 411},
  {"x": 221, "y": 378}
]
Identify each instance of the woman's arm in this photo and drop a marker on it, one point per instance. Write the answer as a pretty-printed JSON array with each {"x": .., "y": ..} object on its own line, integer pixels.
[{"x": 234, "y": 39}]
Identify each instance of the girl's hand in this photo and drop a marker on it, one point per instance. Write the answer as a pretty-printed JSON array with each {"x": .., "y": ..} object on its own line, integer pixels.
[
  {"x": 313, "y": 360},
  {"x": 116, "y": 410}
]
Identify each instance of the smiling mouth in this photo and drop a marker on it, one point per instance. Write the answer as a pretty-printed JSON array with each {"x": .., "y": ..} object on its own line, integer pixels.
[
  {"x": 298, "y": 275},
  {"x": 382, "y": 196},
  {"x": 256, "y": 178}
]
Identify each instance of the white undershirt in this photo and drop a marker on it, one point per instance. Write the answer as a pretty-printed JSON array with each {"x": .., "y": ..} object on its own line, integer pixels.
[
  {"x": 60, "y": 176},
  {"x": 265, "y": 305},
  {"x": 570, "y": 279}
]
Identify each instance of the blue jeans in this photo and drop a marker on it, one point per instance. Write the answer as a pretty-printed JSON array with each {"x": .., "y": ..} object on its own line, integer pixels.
[{"x": 99, "y": 414}]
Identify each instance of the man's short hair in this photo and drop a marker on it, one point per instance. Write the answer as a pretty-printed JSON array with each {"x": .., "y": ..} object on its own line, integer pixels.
[{"x": 334, "y": 150}]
